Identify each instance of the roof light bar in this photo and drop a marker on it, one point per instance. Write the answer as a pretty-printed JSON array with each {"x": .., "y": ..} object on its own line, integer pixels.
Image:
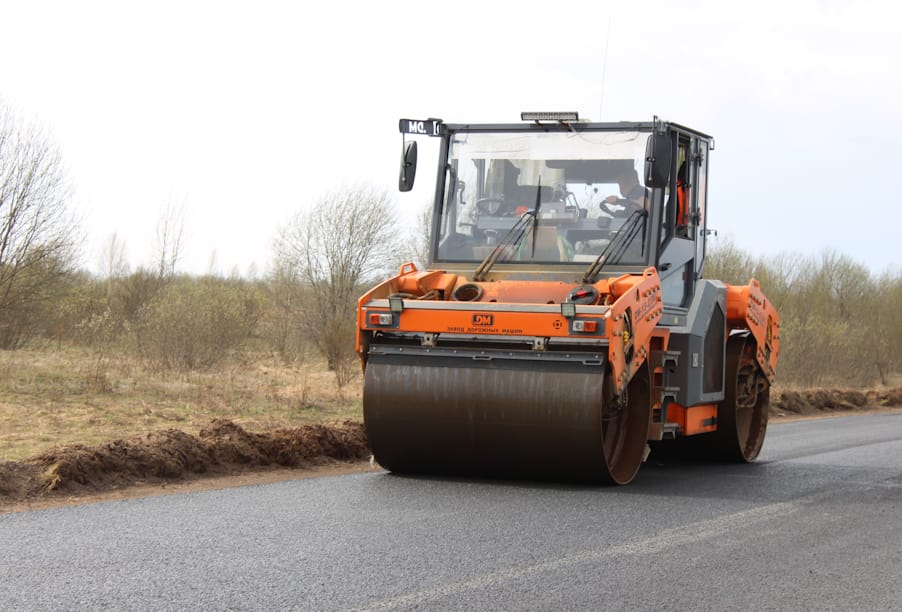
[{"x": 549, "y": 116}]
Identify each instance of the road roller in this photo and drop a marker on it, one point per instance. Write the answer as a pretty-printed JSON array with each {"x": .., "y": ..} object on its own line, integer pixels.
[{"x": 561, "y": 328}]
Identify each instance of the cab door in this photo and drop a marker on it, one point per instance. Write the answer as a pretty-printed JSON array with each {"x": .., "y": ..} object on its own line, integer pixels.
[
  {"x": 677, "y": 263},
  {"x": 700, "y": 200}
]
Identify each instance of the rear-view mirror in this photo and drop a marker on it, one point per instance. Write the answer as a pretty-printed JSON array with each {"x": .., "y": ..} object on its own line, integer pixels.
[
  {"x": 657, "y": 160},
  {"x": 408, "y": 166}
]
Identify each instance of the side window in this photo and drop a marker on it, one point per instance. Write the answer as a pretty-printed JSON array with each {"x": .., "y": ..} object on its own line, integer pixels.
[
  {"x": 701, "y": 191},
  {"x": 683, "y": 220},
  {"x": 678, "y": 271},
  {"x": 677, "y": 196},
  {"x": 701, "y": 176}
]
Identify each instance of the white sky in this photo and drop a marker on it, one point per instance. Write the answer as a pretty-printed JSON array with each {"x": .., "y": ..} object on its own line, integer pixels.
[{"x": 249, "y": 111}]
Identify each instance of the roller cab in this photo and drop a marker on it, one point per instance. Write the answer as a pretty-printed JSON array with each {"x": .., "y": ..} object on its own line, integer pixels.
[{"x": 561, "y": 323}]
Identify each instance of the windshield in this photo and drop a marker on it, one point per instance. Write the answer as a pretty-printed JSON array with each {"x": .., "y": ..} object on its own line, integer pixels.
[{"x": 578, "y": 189}]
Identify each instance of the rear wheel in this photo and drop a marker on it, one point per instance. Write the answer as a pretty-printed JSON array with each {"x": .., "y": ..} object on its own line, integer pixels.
[{"x": 742, "y": 415}]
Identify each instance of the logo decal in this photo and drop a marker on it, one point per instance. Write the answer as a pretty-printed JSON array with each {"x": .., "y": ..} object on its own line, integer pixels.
[{"x": 483, "y": 319}]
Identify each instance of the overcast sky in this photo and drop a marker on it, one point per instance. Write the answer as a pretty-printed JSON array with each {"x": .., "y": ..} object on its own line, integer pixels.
[{"x": 247, "y": 112}]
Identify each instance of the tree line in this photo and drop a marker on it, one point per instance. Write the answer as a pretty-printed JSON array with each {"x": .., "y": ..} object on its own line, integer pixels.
[
  {"x": 305, "y": 306},
  {"x": 842, "y": 325}
]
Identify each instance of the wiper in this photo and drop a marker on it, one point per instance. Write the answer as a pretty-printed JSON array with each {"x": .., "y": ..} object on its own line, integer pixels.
[
  {"x": 535, "y": 217},
  {"x": 617, "y": 247},
  {"x": 512, "y": 238}
]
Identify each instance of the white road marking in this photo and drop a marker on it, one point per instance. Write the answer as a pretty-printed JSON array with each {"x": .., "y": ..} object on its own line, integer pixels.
[{"x": 670, "y": 538}]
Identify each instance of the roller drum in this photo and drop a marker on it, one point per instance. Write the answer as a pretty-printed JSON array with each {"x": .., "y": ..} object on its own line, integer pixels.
[{"x": 514, "y": 415}]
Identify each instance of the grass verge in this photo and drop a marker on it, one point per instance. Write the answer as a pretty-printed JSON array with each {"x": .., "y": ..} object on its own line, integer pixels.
[{"x": 70, "y": 395}]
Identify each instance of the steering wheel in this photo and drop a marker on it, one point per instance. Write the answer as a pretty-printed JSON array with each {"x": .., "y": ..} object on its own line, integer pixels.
[
  {"x": 628, "y": 207},
  {"x": 490, "y": 206}
]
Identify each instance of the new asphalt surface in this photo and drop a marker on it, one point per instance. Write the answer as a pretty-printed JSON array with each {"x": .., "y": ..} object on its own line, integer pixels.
[{"x": 816, "y": 523}]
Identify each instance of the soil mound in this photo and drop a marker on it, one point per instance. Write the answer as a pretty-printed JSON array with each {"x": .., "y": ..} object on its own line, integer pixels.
[
  {"x": 224, "y": 448},
  {"x": 819, "y": 401},
  {"x": 221, "y": 448}
]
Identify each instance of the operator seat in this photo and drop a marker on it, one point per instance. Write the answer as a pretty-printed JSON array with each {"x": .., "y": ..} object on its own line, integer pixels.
[{"x": 549, "y": 246}]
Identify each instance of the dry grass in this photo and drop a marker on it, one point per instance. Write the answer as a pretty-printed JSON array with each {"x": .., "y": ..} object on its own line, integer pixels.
[
  {"x": 50, "y": 397},
  {"x": 69, "y": 395}
]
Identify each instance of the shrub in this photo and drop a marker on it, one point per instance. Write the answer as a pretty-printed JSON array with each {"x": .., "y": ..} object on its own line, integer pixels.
[{"x": 195, "y": 323}]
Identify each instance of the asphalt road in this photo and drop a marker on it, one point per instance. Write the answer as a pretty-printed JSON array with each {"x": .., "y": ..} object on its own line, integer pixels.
[{"x": 815, "y": 524}]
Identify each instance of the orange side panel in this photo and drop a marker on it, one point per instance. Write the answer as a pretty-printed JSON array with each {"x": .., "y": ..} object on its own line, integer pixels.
[
  {"x": 633, "y": 317},
  {"x": 693, "y": 419},
  {"x": 748, "y": 308}
]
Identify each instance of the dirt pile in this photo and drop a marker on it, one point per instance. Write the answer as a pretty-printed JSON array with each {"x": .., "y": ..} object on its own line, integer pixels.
[
  {"x": 221, "y": 448},
  {"x": 820, "y": 401},
  {"x": 225, "y": 449}
]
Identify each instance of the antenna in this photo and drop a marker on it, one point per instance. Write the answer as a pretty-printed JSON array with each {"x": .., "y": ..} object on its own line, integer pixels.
[{"x": 604, "y": 68}]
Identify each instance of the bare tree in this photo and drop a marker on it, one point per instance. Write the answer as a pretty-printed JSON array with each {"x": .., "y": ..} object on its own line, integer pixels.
[
  {"x": 37, "y": 241},
  {"x": 282, "y": 323},
  {"x": 346, "y": 240},
  {"x": 728, "y": 263},
  {"x": 882, "y": 312},
  {"x": 170, "y": 238},
  {"x": 114, "y": 258},
  {"x": 113, "y": 263}
]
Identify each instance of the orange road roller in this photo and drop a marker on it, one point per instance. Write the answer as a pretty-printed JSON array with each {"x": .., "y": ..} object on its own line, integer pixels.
[{"x": 561, "y": 327}]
